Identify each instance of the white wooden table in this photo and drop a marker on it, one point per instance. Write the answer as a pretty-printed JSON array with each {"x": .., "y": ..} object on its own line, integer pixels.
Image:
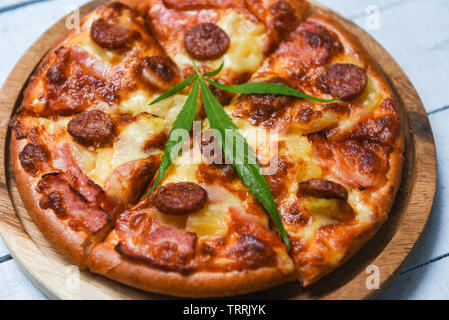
[{"x": 415, "y": 32}]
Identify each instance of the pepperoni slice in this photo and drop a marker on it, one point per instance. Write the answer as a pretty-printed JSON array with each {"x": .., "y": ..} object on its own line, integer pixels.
[
  {"x": 91, "y": 127},
  {"x": 110, "y": 36},
  {"x": 33, "y": 157},
  {"x": 345, "y": 81},
  {"x": 284, "y": 16},
  {"x": 320, "y": 188},
  {"x": 206, "y": 41},
  {"x": 180, "y": 198}
]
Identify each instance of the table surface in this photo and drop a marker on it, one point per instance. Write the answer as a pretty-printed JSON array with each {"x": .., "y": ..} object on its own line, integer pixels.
[{"x": 415, "y": 34}]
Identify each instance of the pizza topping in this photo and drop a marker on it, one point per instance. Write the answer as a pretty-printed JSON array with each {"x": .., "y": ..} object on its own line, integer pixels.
[
  {"x": 80, "y": 183},
  {"x": 382, "y": 130},
  {"x": 33, "y": 157},
  {"x": 55, "y": 75},
  {"x": 224, "y": 97},
  {"x": 265, "y": 106},
  {"x": 320, "y": 188},
  {"x": 129, "y": 180},
  {"x": 62, "y": 198},
  {"x": 110, "y": 36},
  {"x": 206, "y": 41},
  {"x": 284, "y": 16},
  {"x": 360, "y": 164},
  {"x": 91, "y": 126},
  {"x": 156, "y": 142},
  {"x": 197, "y": 4},
  {"x": 55, "y": 202},
  {"x": 82, "y": 85},
  {"x": 157, "y": 71},
  {"x": 180, "y": 198},
  {"x": 251, "y": 252},
  {"x": 145, "y": 239},
  {"x": 345, "y": 81}
]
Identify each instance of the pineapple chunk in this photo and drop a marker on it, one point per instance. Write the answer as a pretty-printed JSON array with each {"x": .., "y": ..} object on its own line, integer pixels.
[
  {"x": 209, "y": 222},
  {"x": 329, "y": 208}
]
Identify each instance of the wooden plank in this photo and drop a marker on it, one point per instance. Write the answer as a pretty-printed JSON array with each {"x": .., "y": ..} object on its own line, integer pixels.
[
  {"x": 15, "y": 285},
  {"x": 435, "y": 240},
  {"x": 425, "y": 282},
  {"x": 388, "y": 250}
]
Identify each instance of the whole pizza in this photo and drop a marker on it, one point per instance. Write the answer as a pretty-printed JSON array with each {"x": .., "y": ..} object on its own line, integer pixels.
[{"x": 89, "y": 145}]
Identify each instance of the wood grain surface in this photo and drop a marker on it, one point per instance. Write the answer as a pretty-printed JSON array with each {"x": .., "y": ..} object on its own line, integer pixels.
[{"x": 388, "y": 250}]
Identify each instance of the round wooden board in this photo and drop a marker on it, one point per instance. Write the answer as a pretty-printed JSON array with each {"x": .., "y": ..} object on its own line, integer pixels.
[{"x": 388, "y": 250}]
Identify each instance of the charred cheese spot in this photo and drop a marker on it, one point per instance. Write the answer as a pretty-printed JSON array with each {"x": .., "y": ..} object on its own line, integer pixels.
[{"x": 252, "y": 253}]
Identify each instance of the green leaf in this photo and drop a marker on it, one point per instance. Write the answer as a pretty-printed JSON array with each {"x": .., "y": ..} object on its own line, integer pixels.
[
  {"x": 245, "y": 163},
  {"x": 266, "y": 88},
  {"x": 180, "y": 86},
  {"x": 214, "y": 73},
  {"x": 184, "y": 121}
]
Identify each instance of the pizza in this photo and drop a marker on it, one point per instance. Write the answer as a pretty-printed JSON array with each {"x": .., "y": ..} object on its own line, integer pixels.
[{"x": 86, "y": 145}]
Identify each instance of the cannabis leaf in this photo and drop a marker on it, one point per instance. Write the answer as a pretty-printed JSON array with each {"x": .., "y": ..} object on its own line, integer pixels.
[
  {"x": 184, "y": 121},
  {"x": 245, "y": 163}
]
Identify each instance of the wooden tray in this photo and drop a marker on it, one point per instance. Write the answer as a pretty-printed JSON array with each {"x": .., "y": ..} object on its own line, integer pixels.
[{"x": 389, "y": 249}]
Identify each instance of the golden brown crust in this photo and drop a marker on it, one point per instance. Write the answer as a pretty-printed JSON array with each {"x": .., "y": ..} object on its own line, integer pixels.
[
  {"x": 67, "y": 241},
  {"x": 106, "y": 261}
]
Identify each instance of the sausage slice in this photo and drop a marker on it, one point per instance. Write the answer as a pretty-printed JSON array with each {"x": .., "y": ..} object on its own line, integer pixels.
[
  {"x": 157, "y": 71},
  {"x": 110, "y": 36},
  {"x": 33, "y": 157},
  {"x": 345, "y": 81},
  {"x": 206, "y": 41},
  {"x": 91, "y": 126},
  {"x": 284, "y": 16},
  {"x": 320, "y": 188},
  {"x": 180, "y": 198}
]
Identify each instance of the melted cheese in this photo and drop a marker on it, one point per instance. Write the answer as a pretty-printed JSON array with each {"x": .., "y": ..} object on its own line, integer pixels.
[
  {"x": 371, "y": 97},
  {"x": 99, "y": 164},
  {"x": 168, "y": 109},
  {"x": 105, "y": 56}
]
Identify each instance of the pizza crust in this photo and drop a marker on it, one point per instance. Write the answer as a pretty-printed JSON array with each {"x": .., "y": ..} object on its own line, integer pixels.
[
  {"x": 67, "y": 241},
  {"x": 106, "y": 261}
]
